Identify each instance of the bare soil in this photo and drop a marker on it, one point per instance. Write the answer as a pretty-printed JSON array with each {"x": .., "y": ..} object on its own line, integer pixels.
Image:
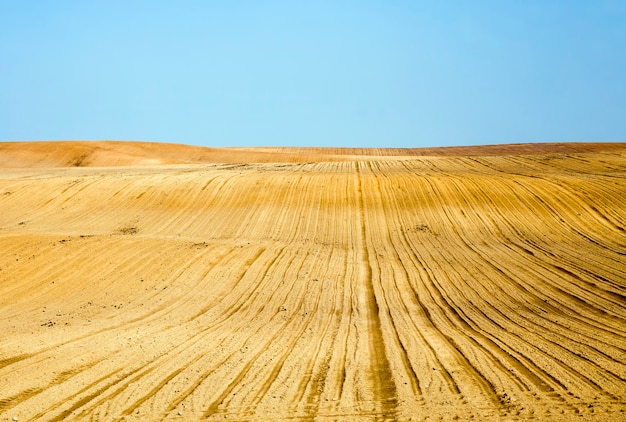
[{"x": 147, "y": 281}]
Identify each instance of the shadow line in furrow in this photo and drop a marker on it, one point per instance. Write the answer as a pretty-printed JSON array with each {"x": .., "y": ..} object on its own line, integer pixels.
[
  {"x": 567, "y": 368},
  {"x": 129, "y": 410},
  {"x": 485, "y": 385},
  {"x": 317, "y": 380},
  {"x": 199, "y": 336},
  {"x": 150, "y": 366},
  {"x": 81, "y": 402},
  {"x": 400, "y": 347},
  {"x": 213, "y": 407},
  {"x": 341, "y": 334},
  {"x": 526, "y": 244},
  {"x": 277, "y": 367},
  {"x": 613, "y": 298},
  {"x": 128, "y": 323},
  {"x": 431, "y": 290},
  {"x": 190, "y": 390},
  {"x": 574, "y": 298},
  {"x": 195, "y": 339},
  {"x": 414, "y": 299},
  {"x": 102, "y": 398},
  {"x": 31, "y": 392},
  {"x": 86, "y": 183},
  {"x": 537, "y": 191},
  {"x": 245, "y": 269},
  {"x": 221, "y": 321},
  {"x": 555, "y": 304},
  {"x": 466, "y": 246},
  {"x": 10, "y": 361},
  {"x": 469, "y": 327},
  {"x": 288, "y": 351},
  {"x": 541, "y": 384},
  {"x": 384, "y": 385},
  {"x": 599, "y": 242}
]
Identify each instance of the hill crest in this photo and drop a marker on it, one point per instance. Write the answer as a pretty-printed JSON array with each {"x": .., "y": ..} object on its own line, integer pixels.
[{"x": 127, "y": 153}]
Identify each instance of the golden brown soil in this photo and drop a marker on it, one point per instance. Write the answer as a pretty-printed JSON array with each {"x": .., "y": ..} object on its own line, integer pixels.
[{"x": 150, "y": 281}]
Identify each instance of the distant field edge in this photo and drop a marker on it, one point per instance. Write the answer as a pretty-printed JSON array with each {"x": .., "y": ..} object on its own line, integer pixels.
[{"x": 132, "y": 153}]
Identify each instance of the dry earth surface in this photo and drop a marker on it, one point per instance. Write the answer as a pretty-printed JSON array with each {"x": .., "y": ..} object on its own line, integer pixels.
[{"x": 148, "y": 281}]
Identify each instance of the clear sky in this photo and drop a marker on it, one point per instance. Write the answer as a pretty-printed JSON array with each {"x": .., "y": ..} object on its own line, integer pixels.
[{"x": 316, "y": 73}]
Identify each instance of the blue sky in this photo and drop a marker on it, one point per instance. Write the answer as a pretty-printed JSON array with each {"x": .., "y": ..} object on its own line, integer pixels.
[{"x": 315, "y": 73}]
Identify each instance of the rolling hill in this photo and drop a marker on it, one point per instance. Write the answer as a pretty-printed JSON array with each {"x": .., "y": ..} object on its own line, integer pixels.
[{"x": 145, "y": 281}]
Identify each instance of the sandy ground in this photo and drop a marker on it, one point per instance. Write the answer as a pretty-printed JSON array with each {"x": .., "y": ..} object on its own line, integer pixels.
[{"x": 149, "y": 281}]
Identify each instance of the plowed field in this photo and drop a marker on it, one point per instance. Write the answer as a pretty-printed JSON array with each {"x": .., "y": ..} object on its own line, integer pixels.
[{"x": 275, "y": 284}]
